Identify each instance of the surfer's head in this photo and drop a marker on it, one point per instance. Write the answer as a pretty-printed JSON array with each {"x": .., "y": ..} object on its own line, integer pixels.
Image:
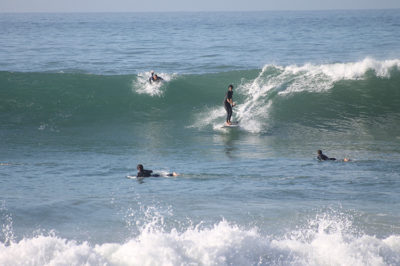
[
  {"x": 319, "y": 152},
  {"x": 139, "y": 167},
  {"x": 230, "y": 87}
]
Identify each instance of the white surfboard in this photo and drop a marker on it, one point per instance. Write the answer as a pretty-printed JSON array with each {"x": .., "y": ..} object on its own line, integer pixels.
[
  {"x": 233, "y": 125},
  {"x": 134, "y": 177}
]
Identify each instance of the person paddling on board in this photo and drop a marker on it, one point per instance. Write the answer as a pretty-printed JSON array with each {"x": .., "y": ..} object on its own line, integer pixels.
[
  {"x": 323, "y": 157},
  {"x": 149, "y": 173},
  {"x": 155, "y": 78},
  {"x": 228, "y": 104}
]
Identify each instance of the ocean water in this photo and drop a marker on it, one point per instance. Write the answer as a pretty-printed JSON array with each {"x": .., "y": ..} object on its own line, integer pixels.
[{"x": 77, "y": 115}]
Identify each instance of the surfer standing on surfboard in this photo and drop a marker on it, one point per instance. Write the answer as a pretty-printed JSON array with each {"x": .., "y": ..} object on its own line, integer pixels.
[{"x": 228, "y": 104}]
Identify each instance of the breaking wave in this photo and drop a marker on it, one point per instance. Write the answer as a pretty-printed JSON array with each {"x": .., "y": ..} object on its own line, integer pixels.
[
  {"x": 325, "y": 239},
  {"x": 335, "y": 96}
]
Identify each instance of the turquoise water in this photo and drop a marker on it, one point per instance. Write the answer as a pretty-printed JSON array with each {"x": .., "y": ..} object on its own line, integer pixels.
[{"x": 77, "y": 115}]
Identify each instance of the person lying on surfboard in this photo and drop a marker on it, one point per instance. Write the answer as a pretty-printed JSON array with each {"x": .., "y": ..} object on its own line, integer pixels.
[
  {"x": 155, "y": 78},
  {"x": 149, "y": 173},
  {"x": 228, "y": 104},
  {"x": 323, "y": 157}
]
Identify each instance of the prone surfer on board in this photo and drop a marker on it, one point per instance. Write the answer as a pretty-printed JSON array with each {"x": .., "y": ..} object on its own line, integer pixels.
[
  {"x": 149, "y": 173},
  {"x": 155, "y": 78},
  {"x": 228, "y": 104},
  {"x": 323, "y": 157}
]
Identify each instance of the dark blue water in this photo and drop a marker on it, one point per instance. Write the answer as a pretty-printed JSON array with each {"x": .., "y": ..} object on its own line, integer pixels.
[{"x": 193, "y": 42}]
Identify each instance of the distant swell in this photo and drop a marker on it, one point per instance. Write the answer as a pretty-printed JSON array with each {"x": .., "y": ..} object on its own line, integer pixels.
[{"x": 333, "y": 96}]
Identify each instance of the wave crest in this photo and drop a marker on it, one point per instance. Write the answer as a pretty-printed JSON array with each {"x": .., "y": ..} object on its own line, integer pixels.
[
  {"x": 277, "y": 85},
  {"x": 324, "y": 240},
  {"x": 329, "y": 95}
]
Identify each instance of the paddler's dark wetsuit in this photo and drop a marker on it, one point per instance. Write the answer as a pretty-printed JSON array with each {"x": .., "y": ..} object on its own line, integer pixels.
[
  {"x": 155, "y": 78},
  {"x": 146, "y": 173},
  {"x": 149, "y": 173},
  {"x": 323, "y": 157},
  {"x": 227, "y": 105}
]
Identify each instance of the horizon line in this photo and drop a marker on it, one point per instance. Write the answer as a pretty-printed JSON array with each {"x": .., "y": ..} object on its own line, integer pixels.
[{"x": 198, "y": 11}]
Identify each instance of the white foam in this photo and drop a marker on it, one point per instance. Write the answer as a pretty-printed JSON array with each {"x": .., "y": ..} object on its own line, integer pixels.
[
  {"x": 47, "y": 250},
  {"x": 323, "y": 241},
  {"x": 284, "y": 81},
  {"x": 211, "y": 116},
  {"x": 142, "y": 85},
  {"x": 221, "y": 245},
  {"x": 7, "y": 225},
  {"x": 332, "y": 241},
  {"x": 311, "y": 77}
]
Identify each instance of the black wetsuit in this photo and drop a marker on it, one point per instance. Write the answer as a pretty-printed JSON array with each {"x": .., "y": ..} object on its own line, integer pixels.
[
  {"x": 146, "y": 173},
  {"x": 227, "y": 105},
  {"x": 323, "y": 157},
  {"x": 152, "y": 79},
  {"x": 149, "y": 173}
]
